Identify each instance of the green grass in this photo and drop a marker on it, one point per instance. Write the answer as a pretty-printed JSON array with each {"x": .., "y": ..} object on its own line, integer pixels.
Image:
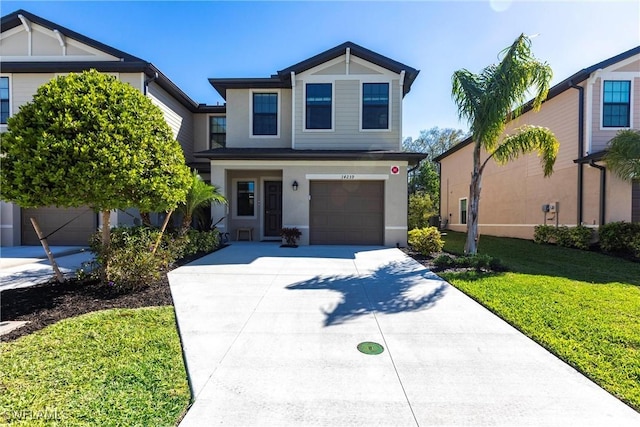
[
  {"x": 113, "y": 367},
  {"x": 582, "y": 306}
]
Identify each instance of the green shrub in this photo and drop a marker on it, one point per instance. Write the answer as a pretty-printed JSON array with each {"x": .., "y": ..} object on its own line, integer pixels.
[
  {"x": 201, "y": 241},
  {"x": 581, "y": 237},
  {"x": 571, "y": 237},
  {"x": 620, "y": 237},
  {"x": 128, "y": 263},
  {"x": 479, "y": 262},
  {"x": 426, "y": 240}
]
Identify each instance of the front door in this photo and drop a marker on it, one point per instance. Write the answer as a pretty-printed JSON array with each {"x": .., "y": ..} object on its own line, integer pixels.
[{"x": 272, "y": 208}]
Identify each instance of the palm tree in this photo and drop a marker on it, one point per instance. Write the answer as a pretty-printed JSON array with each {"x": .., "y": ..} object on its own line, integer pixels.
[
  {"x": 488, "y": 101},
  {"x": 623, "y": 154},
  {"x": 199, "y": 194}
]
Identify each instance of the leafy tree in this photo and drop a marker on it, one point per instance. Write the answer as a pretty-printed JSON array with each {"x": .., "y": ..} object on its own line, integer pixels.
[
  {"x": 491, "y": 99},
  {"x": 200, "y": 193},
  {"x": 421, "y": 208},
  {"x": 89, "y": 139},
  {"x": 433, "y": 142},
  {"x": 623, "y": 154}
]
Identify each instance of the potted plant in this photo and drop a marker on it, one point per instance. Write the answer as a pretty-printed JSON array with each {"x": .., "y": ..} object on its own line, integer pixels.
[{"x": 290, "y": 236}]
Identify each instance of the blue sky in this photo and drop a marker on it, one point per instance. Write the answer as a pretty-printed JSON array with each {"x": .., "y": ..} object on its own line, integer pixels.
[{"x": 192, "y": 41}]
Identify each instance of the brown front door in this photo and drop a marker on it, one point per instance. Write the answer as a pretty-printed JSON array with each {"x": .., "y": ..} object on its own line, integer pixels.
[{"x": 272, "y": 208}]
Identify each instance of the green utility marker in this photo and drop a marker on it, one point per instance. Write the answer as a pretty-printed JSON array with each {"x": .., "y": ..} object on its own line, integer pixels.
[{"x": 369, "y": 347}]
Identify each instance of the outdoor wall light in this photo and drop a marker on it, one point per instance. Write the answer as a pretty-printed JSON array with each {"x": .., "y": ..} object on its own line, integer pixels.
[{"x": 295, "y": 185}]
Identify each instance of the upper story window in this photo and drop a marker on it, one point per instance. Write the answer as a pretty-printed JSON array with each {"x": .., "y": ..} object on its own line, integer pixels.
[
  {"x": 375, "y": 106},
  {"x": 265, "y": 114},
  {"x": 318, "y": 105},
  {"x": 4, "y": 100},
  {"x": 616, "y": 103},
  {"x": 217, "y": 132}
]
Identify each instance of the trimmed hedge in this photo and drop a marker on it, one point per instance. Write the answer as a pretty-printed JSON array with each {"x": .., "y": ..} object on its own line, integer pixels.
[
  {"x": 570, "y": 237},
  {"x": 620, "y": 238},
  {"x": 426, "y": 240}
]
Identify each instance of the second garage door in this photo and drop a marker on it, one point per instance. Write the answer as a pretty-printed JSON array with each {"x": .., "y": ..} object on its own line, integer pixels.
[
  {"x": 346, "y": 213},
  {"x": 77, "y": 232}
]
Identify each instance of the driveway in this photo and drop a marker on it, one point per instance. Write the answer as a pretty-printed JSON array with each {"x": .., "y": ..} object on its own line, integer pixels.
[{"x": 270, "y": 337}]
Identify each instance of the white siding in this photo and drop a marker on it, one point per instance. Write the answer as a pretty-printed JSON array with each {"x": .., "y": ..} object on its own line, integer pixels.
[{"x": 179, "y": 118}]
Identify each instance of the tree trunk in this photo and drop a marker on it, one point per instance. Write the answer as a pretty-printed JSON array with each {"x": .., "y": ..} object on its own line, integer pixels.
[
  {"x": 164, "y": 227},
  {"x": 45, "y": 246},
  {"x": 145, "y": 217},
  {"x": 186, "y": 224},
  {"x": 106, "y": 241},
  {"x": 471, "y": 245}
]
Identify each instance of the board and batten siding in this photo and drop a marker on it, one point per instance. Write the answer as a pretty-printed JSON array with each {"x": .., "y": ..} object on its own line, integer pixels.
[
  {"x": 178, "y": 117},
  {"x": 346, "y": 133}
]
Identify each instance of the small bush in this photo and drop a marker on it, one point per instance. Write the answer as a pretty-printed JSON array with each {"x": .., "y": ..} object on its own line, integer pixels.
[
  {"x": 480, "y": 262},
  {"x": 426, "y": 240},
  {"x": 201, "y": 241},
  {"x": 620, "y": 237},
  {"x": 544, "y": 234},
  {"x": 570, "y": 237},
  {"x": 290, "y": 235},
  {"x": 128, "y": 263}
]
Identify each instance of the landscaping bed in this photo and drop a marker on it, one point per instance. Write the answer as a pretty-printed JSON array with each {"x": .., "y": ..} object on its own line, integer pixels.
[{"x": 45, "y": 304}]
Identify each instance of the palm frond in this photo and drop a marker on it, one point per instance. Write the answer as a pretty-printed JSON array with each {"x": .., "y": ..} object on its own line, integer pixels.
[
  {"x": 623, "y": 154},
  {"x": 528, "y": 139}
]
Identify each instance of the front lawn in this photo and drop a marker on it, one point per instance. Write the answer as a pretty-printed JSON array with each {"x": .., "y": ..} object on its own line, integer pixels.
[
  {"x": 582, "y": 306},
  {"x": 112, "y": 367}
]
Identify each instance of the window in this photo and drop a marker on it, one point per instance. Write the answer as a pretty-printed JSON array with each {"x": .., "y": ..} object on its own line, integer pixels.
[
  {"x": 217, "y": 132},
  {"x": 265, "y": 114},
  {"x": 375, "y": 106},
  {"x": 616, "y": 103},
  {"x": 246, "y": 198},
  {"x": 318, "y": 106},
  {"x": 4, "y": 100},
  {"x": 463, "y": 211}
]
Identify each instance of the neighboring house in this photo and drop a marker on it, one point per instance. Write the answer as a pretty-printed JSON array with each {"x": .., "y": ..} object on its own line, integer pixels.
[
  {"x": 585, "y": 111},
  {"x": 317, "y": 146},
  {"x": 34, "y": 51}
]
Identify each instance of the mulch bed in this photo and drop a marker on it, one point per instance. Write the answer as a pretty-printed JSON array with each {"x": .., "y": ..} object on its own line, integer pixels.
[{"x": 47, "y": 303}]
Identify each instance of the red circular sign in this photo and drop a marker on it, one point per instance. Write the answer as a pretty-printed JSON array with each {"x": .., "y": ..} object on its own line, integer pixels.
[{"x": 395, "y": 170}]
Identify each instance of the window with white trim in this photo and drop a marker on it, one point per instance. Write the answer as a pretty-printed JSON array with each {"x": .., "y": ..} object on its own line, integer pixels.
[
  {"x": 265, "y": 114},
  {"x": 616, "y": 103},
  {"x": 463, "y": 211},
  {"x": 217, "y": 131},
  {"x": 4, "y": 100},
  {"x": 318, "y": 100},
  {"x": 375, "y": 106}
]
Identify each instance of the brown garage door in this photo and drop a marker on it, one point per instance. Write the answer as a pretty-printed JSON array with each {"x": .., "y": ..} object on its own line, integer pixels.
[
  {"x": 77, "y": 232},
  {"x": 347, "y": 213}
]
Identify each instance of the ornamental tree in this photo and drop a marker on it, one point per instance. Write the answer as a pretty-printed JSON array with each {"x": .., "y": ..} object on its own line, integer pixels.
[
  {"x": 488, "y": 101},
  {"x": 90, "y": 139}
]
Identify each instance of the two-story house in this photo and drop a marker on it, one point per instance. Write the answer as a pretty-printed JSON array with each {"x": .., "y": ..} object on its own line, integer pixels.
[
  {"x": 33, "y": 51},
  {"x": 316, "y": 146},
  {"x": 585, "y": 111}
]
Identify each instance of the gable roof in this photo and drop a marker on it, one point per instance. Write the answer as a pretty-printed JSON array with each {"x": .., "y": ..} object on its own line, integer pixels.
[
  {"x": 556, "y": 90},
  {"x": 283, "y": 78},
  {"x": 127, "y": 63}
]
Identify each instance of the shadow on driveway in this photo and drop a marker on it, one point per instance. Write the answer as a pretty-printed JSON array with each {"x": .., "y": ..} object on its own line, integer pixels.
[{"x": 394, "y": 288}]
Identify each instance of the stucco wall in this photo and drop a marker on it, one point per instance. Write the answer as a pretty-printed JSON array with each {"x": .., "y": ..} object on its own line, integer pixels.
[{"x": 296, "y": 203}]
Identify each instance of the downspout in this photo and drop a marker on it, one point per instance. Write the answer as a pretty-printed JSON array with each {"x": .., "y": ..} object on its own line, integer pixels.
[
  {"x": 293, "y": 110},
  {"x": 149, "y": 80},
  {"x": 603, "y": 189},
  {"x": 580, "y": 151}
]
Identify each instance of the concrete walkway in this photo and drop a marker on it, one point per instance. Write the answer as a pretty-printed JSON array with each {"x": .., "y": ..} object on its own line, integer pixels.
[
  {"x": 22, "y": 266},
  {"x": 270, "y": 338}
]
